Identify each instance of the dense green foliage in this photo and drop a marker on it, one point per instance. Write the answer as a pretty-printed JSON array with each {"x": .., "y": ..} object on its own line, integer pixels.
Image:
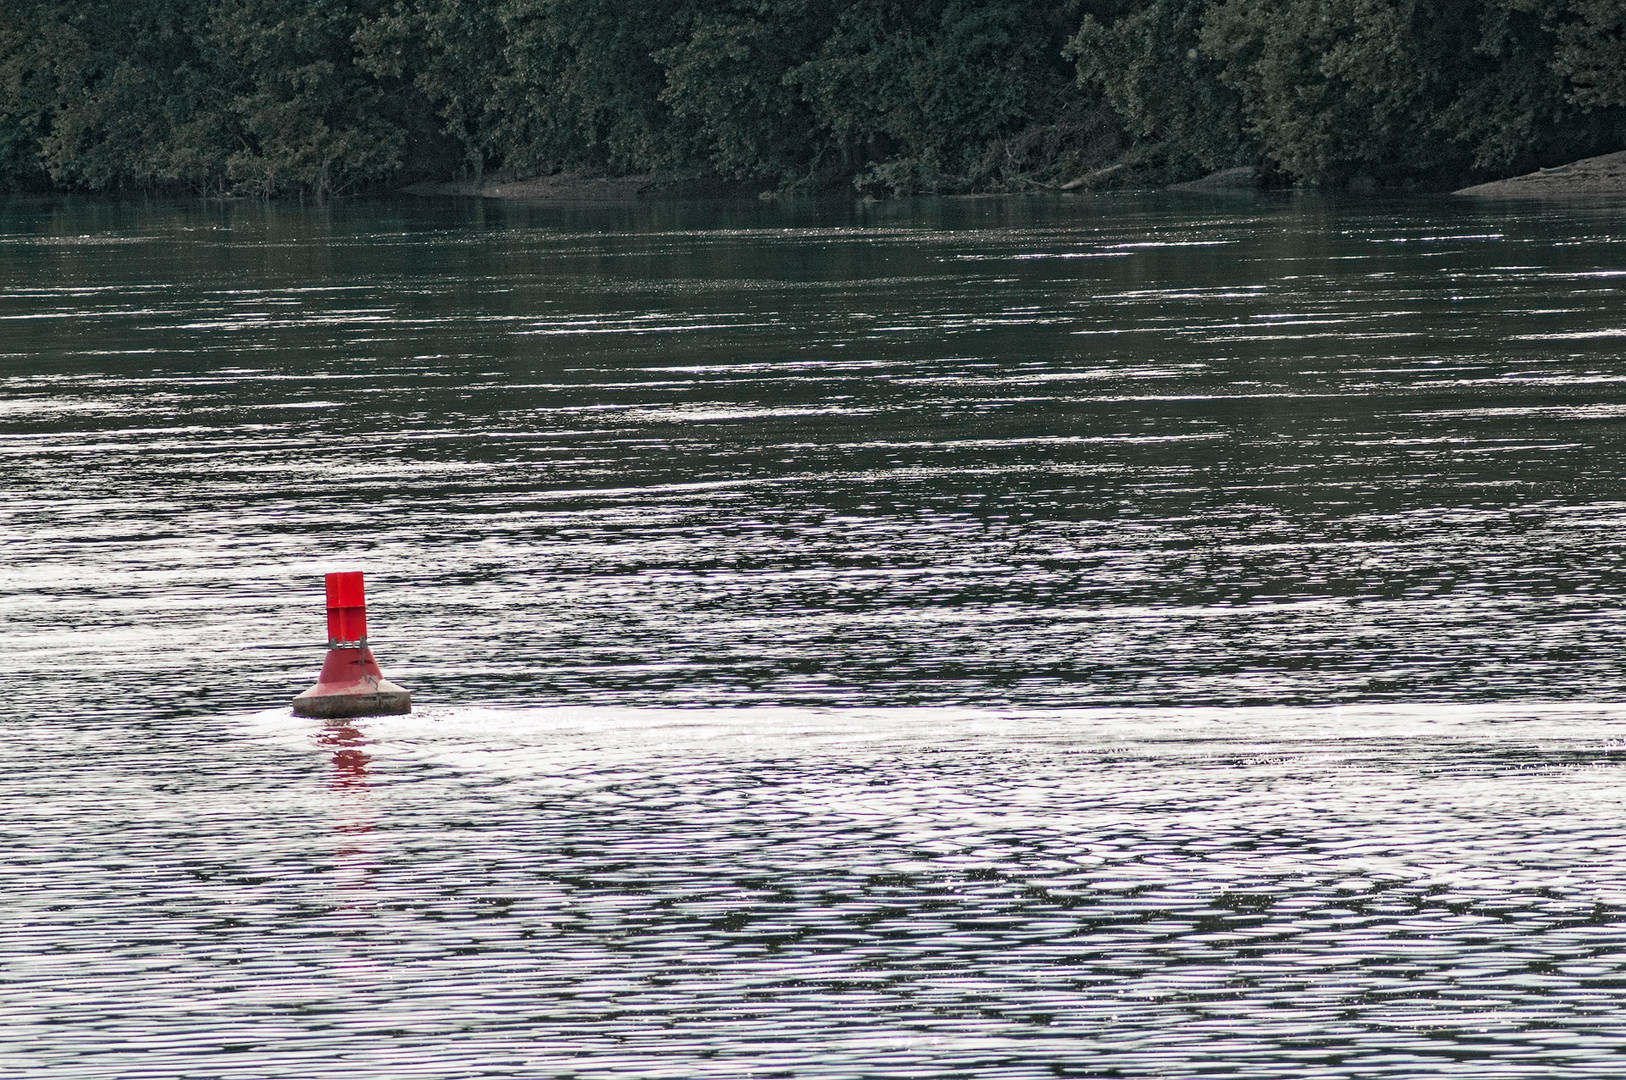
[
  {"x": 274, "y": 97},
  {"x": 1398, "y": 89},
  {"x": 1145, "y": 59}
]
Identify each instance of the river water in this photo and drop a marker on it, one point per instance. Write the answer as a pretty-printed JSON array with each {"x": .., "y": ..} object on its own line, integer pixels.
[{"x": 1114, "y": 636}]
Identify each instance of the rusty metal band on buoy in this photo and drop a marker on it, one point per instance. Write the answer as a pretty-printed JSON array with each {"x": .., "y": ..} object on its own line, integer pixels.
[{"x": 351, "y": 683}]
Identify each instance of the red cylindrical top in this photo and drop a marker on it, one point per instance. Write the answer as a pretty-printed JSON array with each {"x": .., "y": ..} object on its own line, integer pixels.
[
  {"x": 346, "y": 607},
  {"x": 344, "y": 589}
]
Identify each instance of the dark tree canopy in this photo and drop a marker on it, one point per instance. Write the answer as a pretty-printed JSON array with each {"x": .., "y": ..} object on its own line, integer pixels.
[{"x": 322, "y": 97}]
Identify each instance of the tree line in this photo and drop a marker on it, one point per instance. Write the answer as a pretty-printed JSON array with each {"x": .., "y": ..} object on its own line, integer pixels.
[{"x": 319, "y": 97}]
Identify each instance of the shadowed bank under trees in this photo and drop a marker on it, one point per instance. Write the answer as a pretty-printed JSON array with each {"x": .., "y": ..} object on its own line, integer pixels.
[{"x": 318, "y": 97}]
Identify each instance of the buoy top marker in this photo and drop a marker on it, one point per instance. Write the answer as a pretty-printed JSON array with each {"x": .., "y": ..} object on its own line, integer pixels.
[{"x": 346, "y": 609}]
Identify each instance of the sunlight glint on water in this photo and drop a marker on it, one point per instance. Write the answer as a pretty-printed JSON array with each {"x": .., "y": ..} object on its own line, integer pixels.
[{"x": 1102, "y": 637}]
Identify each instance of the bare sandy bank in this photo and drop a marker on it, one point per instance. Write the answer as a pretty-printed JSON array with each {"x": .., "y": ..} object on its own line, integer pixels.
[{"x": 1604, "y": 175}]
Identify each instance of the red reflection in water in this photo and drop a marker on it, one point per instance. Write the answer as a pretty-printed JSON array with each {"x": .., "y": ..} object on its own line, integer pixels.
[
  {"x": 353, "y": 820},
  {"x": 350, "y": 779},
  {"x": 349, "y": 761}
]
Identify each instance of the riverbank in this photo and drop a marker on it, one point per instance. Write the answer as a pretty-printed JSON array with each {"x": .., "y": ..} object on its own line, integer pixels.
[
  {"x": 576, "y": 187},
  {"x": 1590, "y": 177},
  {"x": 1601, "y": 176}
]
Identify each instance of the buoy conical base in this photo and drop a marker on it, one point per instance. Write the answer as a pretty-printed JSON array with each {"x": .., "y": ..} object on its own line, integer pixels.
[{"x": 351, "y": 685}]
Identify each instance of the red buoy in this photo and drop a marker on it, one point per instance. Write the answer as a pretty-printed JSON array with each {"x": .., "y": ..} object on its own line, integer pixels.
[{"x": 350, "y": 683}]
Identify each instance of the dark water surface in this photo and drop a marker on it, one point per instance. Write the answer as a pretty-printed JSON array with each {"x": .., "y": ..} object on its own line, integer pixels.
[{"x": 1122, "y": 636}]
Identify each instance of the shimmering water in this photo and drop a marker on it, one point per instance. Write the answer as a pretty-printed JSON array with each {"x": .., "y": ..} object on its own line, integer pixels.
[{"x": 1131, "y": 636}]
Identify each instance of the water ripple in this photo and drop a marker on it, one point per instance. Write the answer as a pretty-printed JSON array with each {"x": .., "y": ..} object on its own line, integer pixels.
[{"x": 1017, "y": 638}]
